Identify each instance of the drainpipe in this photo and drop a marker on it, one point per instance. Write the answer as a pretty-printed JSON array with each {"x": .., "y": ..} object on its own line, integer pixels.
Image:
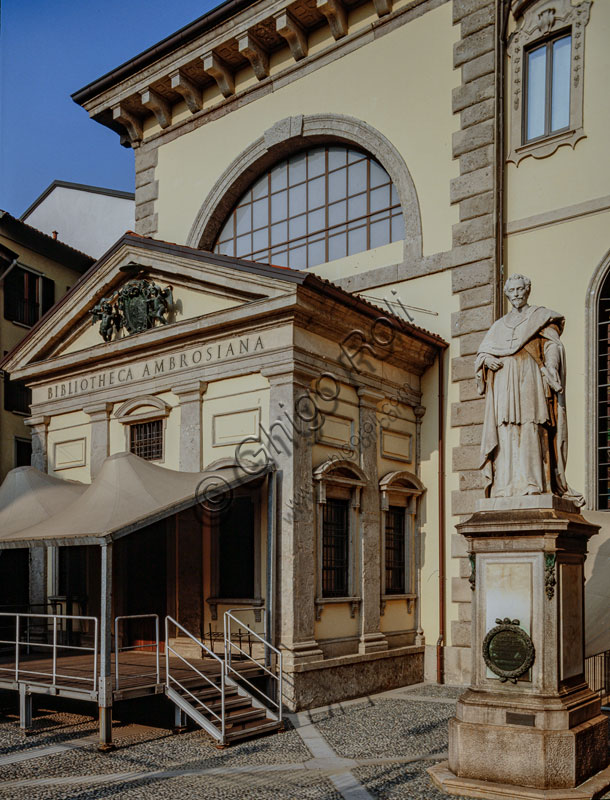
[
  {"x": 501, "y": 24},
  {"x": 440, "y": 665}
]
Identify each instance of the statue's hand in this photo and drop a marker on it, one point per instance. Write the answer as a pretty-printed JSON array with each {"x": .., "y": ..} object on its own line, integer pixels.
[{"x": 492, "y": 363}]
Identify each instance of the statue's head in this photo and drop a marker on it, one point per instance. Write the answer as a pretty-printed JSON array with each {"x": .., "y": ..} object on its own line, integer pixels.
[{"x": 517, "y": 289}]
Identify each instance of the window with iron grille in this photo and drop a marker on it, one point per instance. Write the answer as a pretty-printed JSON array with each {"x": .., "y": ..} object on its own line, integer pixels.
[
  {"x": 27, "y": 296},
  {"x": 146, "y": 440},
  {"x": 316, "y": 206},
  {"x": 335, "y": 548},
  {"x": 17, "y": 396},
  {"x": 603, "y": 397},
  {"x": 395, "y": 551}
]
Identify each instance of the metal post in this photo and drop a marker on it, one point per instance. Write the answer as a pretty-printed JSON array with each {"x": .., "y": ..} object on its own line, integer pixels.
[
  {"x": 105, "y": 681},
  {"x": 180, "y": 721},
  {"x": 25, "y": 708}
]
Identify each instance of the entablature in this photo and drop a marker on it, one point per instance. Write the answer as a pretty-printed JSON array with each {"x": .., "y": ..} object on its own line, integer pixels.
[{"x": 201, "y": 69}]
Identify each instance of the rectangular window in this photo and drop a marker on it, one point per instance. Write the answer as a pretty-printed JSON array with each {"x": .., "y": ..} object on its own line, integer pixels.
[
  {"x": 17, "y": 396},
  {"x": 395, "y": 551},
  {"x": 146, "y": 440},
  {"x": 335, "y": 548},
  {"x": 547, "y": 106},
  {"x": 27, "y": 296},
  {"x": 23, "y": 452}
]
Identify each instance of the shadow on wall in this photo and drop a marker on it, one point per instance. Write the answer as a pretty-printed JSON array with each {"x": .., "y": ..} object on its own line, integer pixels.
[{"x": 597, "y": 586}]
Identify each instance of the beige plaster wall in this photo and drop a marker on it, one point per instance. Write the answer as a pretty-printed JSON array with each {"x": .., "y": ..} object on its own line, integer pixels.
[
  {"x": 560, "y": 261},
  {"x": 421, "y": 132},
  {"x": 571, "y": 176}
]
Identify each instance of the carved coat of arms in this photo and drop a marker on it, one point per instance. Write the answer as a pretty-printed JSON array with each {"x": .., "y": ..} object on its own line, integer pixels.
[{"x": 136, "y": 306}]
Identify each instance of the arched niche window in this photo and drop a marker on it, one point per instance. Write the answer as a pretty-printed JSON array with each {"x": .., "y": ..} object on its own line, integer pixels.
[
  {"x": 339, "y": 485},
  {"x": 603, "y": 396},
  {"x": 316, "y": 206},
  {"x": 399, "y": 491}
]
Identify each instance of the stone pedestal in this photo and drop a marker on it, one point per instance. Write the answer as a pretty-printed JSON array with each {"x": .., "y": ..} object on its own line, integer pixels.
[{"x": 528, "y": 726}]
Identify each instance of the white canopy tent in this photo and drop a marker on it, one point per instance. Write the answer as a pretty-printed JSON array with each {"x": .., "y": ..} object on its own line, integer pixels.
[
  {"x": 29, "y": 497},
  {"x": 128, "y": 493}
]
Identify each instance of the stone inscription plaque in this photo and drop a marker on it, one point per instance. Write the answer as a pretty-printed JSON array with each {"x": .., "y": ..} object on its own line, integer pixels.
[{"x": 507, "y": 650}]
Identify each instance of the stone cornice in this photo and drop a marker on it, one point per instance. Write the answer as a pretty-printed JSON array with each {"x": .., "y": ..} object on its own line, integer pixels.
[{"x": 218, "y": 54}]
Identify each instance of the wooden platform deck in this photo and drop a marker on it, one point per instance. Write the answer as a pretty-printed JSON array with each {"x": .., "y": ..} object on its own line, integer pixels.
[{"x": 137, "y": 674}]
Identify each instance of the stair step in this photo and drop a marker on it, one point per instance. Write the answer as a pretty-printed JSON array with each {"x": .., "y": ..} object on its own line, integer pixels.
[
  {"x": 230, "y": 691},
  {"x": 256, "y": 730},
  {"x": 247, "y": 715},
  {"x": 235, "y": 703}
]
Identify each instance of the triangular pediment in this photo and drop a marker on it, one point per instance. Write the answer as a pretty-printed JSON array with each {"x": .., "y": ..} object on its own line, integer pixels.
[{"x": 142, "y": 285}]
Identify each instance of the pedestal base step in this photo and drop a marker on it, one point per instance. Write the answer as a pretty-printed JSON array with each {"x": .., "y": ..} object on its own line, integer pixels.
[{"x": 444, "y": 779}]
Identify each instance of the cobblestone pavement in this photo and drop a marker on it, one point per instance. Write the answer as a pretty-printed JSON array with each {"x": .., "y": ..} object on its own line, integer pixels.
[{"x": 374, "y": 747}]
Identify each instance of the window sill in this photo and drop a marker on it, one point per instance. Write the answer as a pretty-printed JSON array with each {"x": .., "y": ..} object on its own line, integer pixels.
[
  {"x": 20, "y": 413},
  {"x": 22, "y": 325},
  {"x": 214, "y": 602},
  {"x": 541, "y": 148},
  {"x": 410, "y": 598},
  {"x": 320, "y": 602}
]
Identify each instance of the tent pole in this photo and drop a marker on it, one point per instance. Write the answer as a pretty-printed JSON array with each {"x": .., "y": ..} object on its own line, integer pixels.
[{"x": 105, "y": 682}]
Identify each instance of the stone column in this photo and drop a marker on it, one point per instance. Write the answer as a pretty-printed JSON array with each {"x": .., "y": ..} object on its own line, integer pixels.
[
  {"x": 288, "y": 441},
  {"x": 38, "y": 555},
  {"x": 371, "y": 638},
  {"x": 191, "y": 439},
  {"x": 99, "y": 413},
  {"x": 39, "y": 429}
]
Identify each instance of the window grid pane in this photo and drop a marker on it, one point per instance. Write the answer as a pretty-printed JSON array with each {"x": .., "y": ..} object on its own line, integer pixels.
[
  {"x": 603, "y": 398},
  {"x": 300, "y": 209},
  {"x": 395, "y": 551},
  {"x": 335, "y": 548},
  {"x": 146, "y": 440}
]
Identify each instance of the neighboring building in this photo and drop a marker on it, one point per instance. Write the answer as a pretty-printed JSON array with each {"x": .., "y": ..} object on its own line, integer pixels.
[
  {"x": 415, "y": 153},
  {"x": 89, "y": 218},
  {"x": 35, "y": 272}
]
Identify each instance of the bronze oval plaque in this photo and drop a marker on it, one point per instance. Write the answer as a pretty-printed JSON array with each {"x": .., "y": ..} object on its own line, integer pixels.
[{"x": 508, "y": 650}]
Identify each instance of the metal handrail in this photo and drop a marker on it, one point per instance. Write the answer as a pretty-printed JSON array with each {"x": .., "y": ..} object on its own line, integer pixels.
[
  {"x": 170, "y": 678},
  {"x": 118, "y": 650},
  {"x": 55, "y": 646},
  {"x": 230, "y": 645}
]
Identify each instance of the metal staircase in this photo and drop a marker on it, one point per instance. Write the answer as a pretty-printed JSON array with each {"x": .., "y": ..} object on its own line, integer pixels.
[{"x": 226, "y": 702}]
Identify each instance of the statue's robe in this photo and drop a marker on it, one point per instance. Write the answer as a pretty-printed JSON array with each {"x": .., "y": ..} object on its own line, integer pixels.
[{"x": 524, "y": 445}]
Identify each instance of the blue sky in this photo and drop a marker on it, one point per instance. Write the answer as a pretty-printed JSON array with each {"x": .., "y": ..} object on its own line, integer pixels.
[{"x": 49, "y": 49}]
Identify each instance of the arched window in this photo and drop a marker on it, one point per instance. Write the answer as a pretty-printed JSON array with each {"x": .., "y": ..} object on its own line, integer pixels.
[
  {"x": 316, "y": 206},
  {"x": 603, "y": 396}
]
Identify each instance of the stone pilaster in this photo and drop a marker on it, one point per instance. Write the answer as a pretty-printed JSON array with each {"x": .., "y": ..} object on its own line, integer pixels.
[
  {"x": 147, "y": 190},
  {"x": 39, "y": 427},
  {"x": 371, "y": 638},
  {"x": 99, "y": 414},
  {"x": 191, "y": 440},
  {"x": 288, "y": 441},
  {"x": 474, "y": 276}
]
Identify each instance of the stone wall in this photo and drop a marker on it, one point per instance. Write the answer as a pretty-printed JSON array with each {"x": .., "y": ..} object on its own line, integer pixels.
[
  {"x": 473, "y": 280},
  {"x": 147, "y": 190},
  {"x": 336, "y": 679}
]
